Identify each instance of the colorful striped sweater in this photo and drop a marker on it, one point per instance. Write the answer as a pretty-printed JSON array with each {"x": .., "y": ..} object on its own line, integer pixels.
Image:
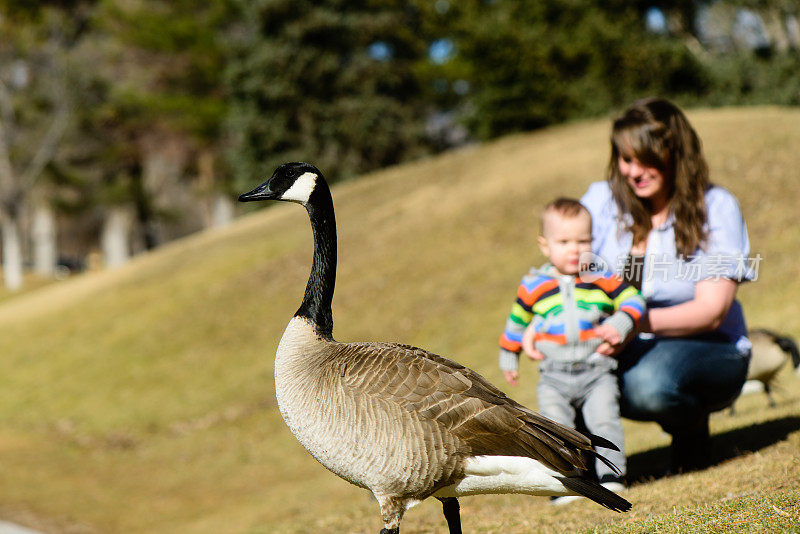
[{"x": 565, "y": 310}]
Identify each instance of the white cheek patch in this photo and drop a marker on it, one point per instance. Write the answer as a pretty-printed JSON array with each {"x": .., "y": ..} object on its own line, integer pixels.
[{"x": 301, "y": 189}]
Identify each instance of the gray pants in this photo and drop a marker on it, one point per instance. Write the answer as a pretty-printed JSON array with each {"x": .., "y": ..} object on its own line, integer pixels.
[{"x": 592, "y": 389}]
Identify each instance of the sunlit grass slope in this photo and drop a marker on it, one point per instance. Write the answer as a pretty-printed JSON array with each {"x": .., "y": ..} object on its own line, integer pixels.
[{"x": 141, "y": 400}]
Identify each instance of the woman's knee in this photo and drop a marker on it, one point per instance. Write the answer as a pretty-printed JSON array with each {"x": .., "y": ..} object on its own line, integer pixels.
[{"x": 645, "y": 391}]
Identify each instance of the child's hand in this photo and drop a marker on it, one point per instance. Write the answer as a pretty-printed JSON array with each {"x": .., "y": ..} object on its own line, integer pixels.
[
  {"x": 606, "y": 349},
  {"x": 611, "y": 339},
  {"x": 511, "y": 377},
  {"x": 608, "y": 333},
  {"x": 528, "y": 344},
  {"x": 534, "y": 354}
]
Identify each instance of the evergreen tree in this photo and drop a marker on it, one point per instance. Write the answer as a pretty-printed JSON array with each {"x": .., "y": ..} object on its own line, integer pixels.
[
  {"x": 330, "y": 82},
  {"x": 531, "y": 63},
  {"x": 161, "y": 104}
]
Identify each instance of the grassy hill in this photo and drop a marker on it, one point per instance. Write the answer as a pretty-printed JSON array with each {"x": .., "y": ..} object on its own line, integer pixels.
[{"x": 142, "y": 399}]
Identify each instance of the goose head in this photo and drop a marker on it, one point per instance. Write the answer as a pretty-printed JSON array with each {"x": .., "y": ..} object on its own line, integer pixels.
[
  {"x": 292, "y": 182},
  {"x": 304, "y": 184}
]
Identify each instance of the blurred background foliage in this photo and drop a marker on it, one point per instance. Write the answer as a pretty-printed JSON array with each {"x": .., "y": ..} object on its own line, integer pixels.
[{"x": 127, "y": 123}]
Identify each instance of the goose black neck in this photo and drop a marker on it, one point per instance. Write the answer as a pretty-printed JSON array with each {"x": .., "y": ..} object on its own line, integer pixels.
[{"x": 318, "y": 298}]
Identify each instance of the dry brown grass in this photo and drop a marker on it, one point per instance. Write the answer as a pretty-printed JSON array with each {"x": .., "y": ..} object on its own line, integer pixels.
[{"x": 141, "y": 400}]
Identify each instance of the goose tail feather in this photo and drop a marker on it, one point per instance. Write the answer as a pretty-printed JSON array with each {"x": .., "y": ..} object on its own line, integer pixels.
[
  {"x": 609, "y": 463},
  {"x": 594, "y": 491},
  {"x": 597, "y": 441}
]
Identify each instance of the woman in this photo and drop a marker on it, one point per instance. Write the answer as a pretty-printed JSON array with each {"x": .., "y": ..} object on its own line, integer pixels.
[{"x": 660, "y": 223}]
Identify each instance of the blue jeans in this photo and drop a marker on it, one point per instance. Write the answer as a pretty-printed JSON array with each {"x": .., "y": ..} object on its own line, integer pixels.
[{"x": 678, "y": 381}]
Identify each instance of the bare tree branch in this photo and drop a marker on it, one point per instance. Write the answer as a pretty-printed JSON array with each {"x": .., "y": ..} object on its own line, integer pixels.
[
  {"x": 47, "y": 148},
  {"x": 49, "y": 144},
  {"x": 6, "y": 104}
]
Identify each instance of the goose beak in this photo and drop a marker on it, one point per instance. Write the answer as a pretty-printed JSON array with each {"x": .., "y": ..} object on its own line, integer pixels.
[{"x": 261, "y": 192}]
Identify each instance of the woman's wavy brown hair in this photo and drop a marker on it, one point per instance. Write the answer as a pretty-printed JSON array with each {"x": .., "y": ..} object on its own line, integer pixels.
[{"x": 658, "y": 134}]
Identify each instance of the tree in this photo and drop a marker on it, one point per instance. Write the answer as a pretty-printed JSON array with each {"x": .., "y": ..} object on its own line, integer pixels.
[
  {"x": 34, "y": 114},
  {"x": 161, "y": 104},
  {"x": 532, "y": 63},
  {"x": 331, "y": 82}
]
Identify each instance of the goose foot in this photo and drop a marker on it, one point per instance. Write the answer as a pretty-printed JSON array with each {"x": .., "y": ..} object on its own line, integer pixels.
[{"x": 452, "y": 513}]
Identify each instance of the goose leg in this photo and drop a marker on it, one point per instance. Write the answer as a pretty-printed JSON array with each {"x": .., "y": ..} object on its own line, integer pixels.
[
  {"x": 768, "y": 391},
  {"x": 391, "y": 512},
  {"x": 452, "y": 513}
]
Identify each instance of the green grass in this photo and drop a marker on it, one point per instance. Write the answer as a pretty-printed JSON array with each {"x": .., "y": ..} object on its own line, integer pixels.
[{"x": 141, "y": 399}]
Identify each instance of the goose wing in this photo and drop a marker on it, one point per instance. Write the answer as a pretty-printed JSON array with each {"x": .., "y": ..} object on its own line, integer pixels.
[{"x": 463, "y": 405}]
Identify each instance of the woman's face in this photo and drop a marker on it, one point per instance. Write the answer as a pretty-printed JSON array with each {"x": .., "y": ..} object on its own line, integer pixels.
[{"x": 646, "y": 182}]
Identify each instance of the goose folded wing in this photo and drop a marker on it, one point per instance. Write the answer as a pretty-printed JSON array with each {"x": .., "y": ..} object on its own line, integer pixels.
[{"x": 462, "y": 403}]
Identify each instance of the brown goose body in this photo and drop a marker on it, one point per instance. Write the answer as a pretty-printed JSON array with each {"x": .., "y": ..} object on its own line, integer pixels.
[
  {"x": 769, "y": 354},
  {"x": 403, "y": 422},
  {"x": 350, "y": 403}
]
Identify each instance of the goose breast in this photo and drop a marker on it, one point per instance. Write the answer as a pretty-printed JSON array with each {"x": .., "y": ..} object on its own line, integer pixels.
[{"x": 353, "y": 407}]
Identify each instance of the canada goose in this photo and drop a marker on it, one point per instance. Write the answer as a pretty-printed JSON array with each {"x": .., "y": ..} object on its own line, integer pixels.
[
  {"x": 769, "y": 354},
  {"x": 402, "y": 422}
]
